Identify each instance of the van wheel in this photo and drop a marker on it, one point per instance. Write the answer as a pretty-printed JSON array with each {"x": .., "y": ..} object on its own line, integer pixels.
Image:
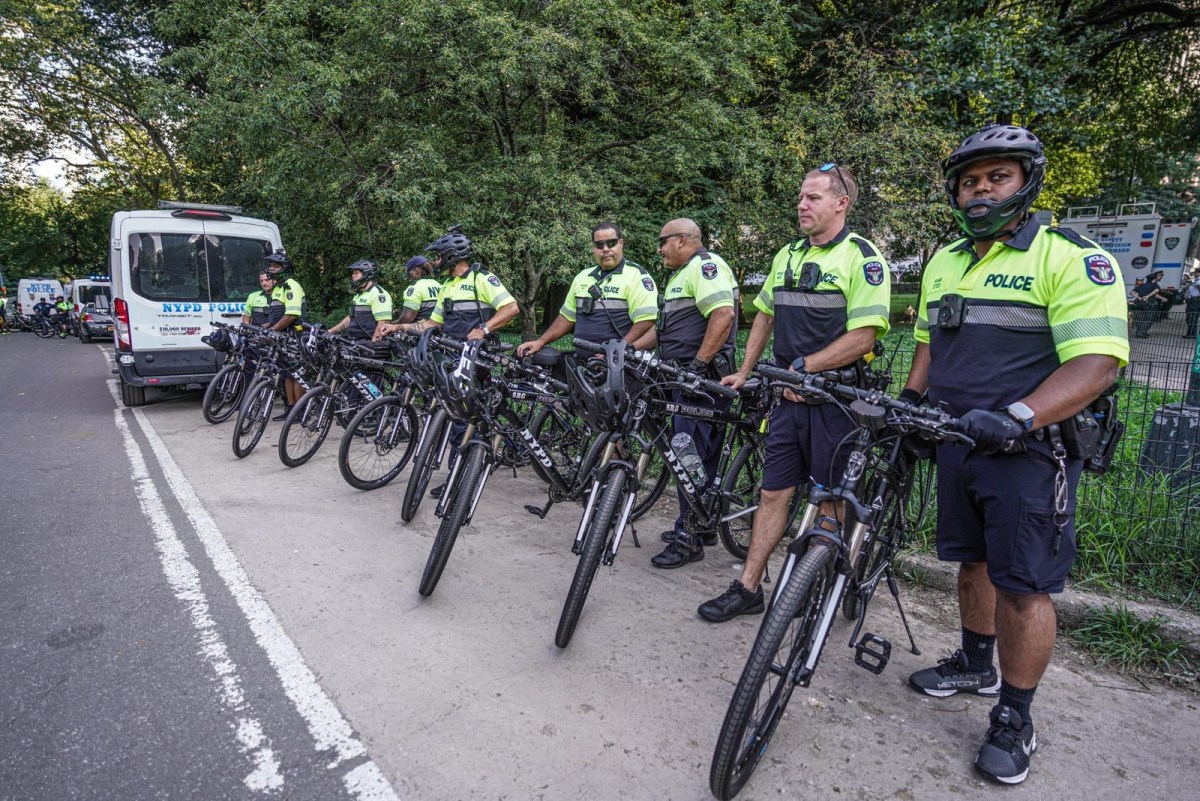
[{"x": 132, "y": 396}]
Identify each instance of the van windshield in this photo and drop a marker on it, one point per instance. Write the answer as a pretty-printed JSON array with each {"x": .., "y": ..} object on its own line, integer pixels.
[{"x": 193, "y": 267}]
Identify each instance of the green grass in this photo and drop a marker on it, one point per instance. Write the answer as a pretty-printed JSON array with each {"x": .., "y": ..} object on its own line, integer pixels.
[{"x": 1115, "y": 636}]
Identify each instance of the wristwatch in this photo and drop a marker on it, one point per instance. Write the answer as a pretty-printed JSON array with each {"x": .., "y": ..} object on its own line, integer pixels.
[
  {"x": 1021, "y": 413},
  {"x": 485, "y": 329}
]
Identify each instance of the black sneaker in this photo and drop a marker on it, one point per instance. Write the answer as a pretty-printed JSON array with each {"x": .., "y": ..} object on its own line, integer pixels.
[
  {"x": 677, "y": 554},
  {"x": 1010, "y": 742},
  {"x": 953, "y": 675},
  {"x": 737, "y": 600},
  {"x": 710, "y": 538},
  {"x": 437, "y": 491},
  {"x": 282, "y": 415}
]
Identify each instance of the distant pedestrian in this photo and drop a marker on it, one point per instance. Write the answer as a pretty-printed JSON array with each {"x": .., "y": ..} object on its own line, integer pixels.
[{"x": 1191, "y": 300}]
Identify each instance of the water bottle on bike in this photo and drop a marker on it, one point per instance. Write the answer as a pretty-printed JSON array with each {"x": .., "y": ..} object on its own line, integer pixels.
[{"x": 685, "y": 449}]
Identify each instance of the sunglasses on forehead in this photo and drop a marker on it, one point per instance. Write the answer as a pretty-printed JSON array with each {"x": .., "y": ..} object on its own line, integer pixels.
[
  {"x": 601, "y": 244},
  {"x": 832, "y": 165}
]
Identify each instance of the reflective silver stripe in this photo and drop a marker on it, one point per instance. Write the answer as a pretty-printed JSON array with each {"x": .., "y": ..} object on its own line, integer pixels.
[
  {"x": 1006, "y": 316},
  {"x": 922, "y": 325},
  {"x": 604, "y": 304},
  {"x": 717, "y": 297},
  {"x": 500, "y": 300},
  {"x": 868, "y": 311},
  {"x": 1090, "y": 328},
  {"x": 468, "y": 304},
  {"x": 645, "y": 311},
  {"x": 811, "y": 300},
  {"x": 679, "y": 303}
]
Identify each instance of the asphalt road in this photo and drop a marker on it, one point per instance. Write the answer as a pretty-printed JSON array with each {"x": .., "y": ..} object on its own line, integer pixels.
[{"x": 179, "y": 623}]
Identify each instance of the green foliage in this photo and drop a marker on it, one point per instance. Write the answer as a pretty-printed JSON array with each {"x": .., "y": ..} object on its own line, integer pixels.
[{"x": 1115, "y": 635}]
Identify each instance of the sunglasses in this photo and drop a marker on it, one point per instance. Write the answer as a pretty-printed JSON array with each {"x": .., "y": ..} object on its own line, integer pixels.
[
  {"x": 832, "y": 165},
  {"x": 663, "y": 240},
  {"x": 601, "y": 244}
]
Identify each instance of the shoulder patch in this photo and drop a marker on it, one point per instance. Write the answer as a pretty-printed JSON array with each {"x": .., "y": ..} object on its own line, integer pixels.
[
  {"x": 1099, "y": 269},
  {"x": 873, "y": 271},
  {"x": 864, "y": 246},
  {"x": 1073, "y": 237},
  {"x": 709, "y": 270},
  {"x": 493, "y": 280},
  {"x": 648, "y": 282}
]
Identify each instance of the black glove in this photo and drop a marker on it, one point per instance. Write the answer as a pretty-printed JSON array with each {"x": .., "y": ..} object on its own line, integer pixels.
[
  {"x": 698, "y": 365},
  {"x": 911, "y": 396},
  {"x": 992, "y": 431}
]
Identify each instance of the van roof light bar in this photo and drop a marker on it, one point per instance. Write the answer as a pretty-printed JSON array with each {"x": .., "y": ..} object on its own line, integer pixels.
[{"x": 186, "y": 206}]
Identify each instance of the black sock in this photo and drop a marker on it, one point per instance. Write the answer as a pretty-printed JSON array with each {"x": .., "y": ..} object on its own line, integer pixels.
[
  {"x": 1018, "y": 699},
  {"x": 979, "y": 649}
]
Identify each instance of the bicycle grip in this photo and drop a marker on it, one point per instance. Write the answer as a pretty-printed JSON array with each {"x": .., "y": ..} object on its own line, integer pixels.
[{"x": 590, "y": 347}]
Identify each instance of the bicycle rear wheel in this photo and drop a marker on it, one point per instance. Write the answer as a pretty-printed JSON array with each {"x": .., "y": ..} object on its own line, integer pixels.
[
  {"x": 43, "y": 329},
  {"x": 223, "y": 394},
  {"x": 424, "y": 464},
  {"x": 378, "y": 443},
  {"x": 463, "y": 493},
  {"x": 253, "y": 416},
  {"x": 612, "y": 498},
  {"x": 784, "y": 643},
  {"x": 306, "y": 426}
]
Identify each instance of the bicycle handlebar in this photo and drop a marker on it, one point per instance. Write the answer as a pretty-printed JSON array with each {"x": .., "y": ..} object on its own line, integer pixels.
[{"x": 690, "y": 380}]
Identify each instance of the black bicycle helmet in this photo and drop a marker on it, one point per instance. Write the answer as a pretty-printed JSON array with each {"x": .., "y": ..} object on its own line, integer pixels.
[
  {"x": 420, "y": 361},
  {"x": 599, "y": 396},
  {"x": 278, "y": 265},
  {"x": 982, "y": 218},
  {"x": 456, "y": 384},
  {"x": 369, "y": 273},
  {"x": 219, "y": 340},
  {"x": 451, "y": 248}
]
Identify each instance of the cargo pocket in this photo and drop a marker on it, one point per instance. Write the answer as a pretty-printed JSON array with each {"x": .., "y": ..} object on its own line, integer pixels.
[{"x": 1034, "y": 562}]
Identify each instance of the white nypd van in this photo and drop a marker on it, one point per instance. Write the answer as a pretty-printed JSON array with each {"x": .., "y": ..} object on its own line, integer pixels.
[{"x": 174, "y": 271}]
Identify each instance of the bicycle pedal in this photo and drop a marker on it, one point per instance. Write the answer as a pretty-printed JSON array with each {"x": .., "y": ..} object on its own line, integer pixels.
[
  {"x": 533, "y": 510},
  {"x": 872, "y": 653}
]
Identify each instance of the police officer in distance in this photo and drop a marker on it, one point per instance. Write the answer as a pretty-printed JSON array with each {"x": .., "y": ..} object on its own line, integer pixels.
[
  {"x": 826, "y": 299},
  {"x": 1020, "y": 327},
  {"x": 371, "y": 307},
  {"x": 257, "y": 311},
  {"x": 617, "y": 299},
  {"x": 287, "y": 307},
  {"x": 698, "y": 329},
  {"x": 62, "y": 313}
]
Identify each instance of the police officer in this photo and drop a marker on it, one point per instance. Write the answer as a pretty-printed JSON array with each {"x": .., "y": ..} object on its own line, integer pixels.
[
  {"x": 1191, "y": 299},
  {"x": 616, "y": 299},
  {"x": 473, "y": 303},
  {"x": 698, "y": 329},
  {"x": 62, "y": 314},
  {"x": 826, "y": 299},
  {"x": 1020, "y": 327},
  {"x": 422, "y": 295},
  {"x": 287, "y": 308},
  {"x": 43, "y": 308},
  {"x": 371, "y": 307},
  {"x": 258, "y": 303}
]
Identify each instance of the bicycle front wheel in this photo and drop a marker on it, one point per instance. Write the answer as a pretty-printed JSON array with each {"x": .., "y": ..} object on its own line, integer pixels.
[
  {"x": 253, "y": 416},
  {"x": 784, "y": 644},
  {"x": 463, "y": 493},
  {"x": 424, "y": 464},
  {"x": 378, "y": 443},
  {"x": 612, "y": 499},
  {"x": 306, "y": 426},
  {"x": 739, "y": 498},
  {"x": 223, "y": 394},
  {"x": 44, "y": 330}
]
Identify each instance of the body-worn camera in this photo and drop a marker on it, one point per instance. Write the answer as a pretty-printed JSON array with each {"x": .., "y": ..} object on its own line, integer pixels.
[
  {"x": 448, "y": 306},
  {"x": 588, "y": 305},
  {"x": 810, "y": 276},
  {"x": 951, "y": 311}
]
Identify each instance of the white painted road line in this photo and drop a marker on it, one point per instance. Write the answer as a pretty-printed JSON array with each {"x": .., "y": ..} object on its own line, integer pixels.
[
  {"x": 184, "y": 580},
  {"x": 330, "y": 731}
]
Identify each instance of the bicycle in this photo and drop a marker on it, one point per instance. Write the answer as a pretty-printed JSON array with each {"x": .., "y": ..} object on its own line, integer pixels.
[
  {"x": 224, "y": 392},
  {"x": 347, "y": 378},
  {"x": 42, "y": 327},
  {"x": 281, "y": 361},
  {"x": 638, "y": 412},
  {"x": 826, "y": 569}
]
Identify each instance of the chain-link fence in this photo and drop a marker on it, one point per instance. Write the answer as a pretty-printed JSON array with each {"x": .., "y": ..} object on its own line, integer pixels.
[{"x": 1139, "y": 524}]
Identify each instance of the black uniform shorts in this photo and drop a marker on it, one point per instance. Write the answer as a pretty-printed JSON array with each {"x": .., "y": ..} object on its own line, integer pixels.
[
  {"x": 802, "y": 443},
  {"x": 1000, "y": 510}
]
